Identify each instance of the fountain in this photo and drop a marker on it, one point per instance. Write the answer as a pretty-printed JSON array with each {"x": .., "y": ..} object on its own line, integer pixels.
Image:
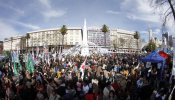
[{"x": 85, "y": 48}]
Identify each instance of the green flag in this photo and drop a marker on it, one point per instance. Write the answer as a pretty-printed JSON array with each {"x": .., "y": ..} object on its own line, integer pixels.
[
  {"x": 30, "y": 64},
  {"x": 15, "y": 68},
  {"x": 20, "y": 66}
]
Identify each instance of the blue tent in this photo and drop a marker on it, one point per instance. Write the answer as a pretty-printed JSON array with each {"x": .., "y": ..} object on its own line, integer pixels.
[{"x": 153, "y": 57}]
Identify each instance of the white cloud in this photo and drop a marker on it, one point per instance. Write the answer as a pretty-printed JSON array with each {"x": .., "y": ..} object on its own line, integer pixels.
[
  {"x": 112, "y": 12},
  {"x": 7, "y": 31},
  {"x": 157, "y": 31},
  {"x": 170, "y": 26},
  {"x": 30, "y": 26},
  {"x": 143, "y": 11},
  {"x": 49, "y": 12},
  {"x": 140, "y": 10},
  {"x": 53, "y": 14},
  {"x": 45, "y": 3},
  {"x": 19, "y": 11},
  {"x": 144, "y": 17}
]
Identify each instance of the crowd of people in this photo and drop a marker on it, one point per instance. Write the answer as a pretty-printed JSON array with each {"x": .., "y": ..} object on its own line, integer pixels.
[{"x": 108, "y": 77}]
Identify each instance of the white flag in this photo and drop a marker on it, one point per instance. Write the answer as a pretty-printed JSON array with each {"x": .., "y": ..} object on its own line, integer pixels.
[{"x": 173, "y": 68}]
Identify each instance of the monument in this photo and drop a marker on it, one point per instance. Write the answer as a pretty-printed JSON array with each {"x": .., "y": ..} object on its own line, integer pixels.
[{"x": 85, "y": 47}]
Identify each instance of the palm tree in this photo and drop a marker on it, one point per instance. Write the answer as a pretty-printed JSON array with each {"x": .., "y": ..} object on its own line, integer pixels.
[
  {"x": 105, "y": 29},
  {"x": 27, "y": 37},
  {"x": 137, "y": 37},
  {"x": 63, "y": 31}
]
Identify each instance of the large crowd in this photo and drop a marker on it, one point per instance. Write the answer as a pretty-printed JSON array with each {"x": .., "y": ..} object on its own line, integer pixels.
[{"x": 108, "y": 77}]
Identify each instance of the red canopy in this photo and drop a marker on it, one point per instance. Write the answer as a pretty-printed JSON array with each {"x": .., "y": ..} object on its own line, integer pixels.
[{"x": 163, "y": 54}]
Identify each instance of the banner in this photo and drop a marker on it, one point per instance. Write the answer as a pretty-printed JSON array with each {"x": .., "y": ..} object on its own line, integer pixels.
[
  {"x": 15, "y": 70},
  {"x": 30, "y": 64},
  {"x": 16, "y": 63},
  {"x": 173, "y": 68}
]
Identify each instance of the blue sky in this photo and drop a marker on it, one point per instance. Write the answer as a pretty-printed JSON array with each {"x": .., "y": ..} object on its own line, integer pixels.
[{"x": 20, "y": 16}]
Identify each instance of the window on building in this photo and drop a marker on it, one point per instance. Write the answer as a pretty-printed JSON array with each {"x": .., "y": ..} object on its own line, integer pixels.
[
  {"x": 76, "y": 42},
  {"x": 71, "y": 43}
]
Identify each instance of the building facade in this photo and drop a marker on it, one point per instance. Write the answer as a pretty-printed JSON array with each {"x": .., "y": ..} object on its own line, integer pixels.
[
  {"x": 116, "y": 39},
  {"x": 95, "y": 35},
  {"x": 124, "y": 41},
  {"x": 52, "y": 38},
  {"x": 14, "y": 43}
]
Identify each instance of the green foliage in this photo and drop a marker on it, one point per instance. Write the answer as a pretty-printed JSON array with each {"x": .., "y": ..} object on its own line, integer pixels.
[
  {"x": 11, "y": 38},
  {"x": 63, "y": 30},
  {"x": 105, "y": 28},
  {"x": 151, "y": 46},
  {"x": 136, "y": 35},
  {"x": 27, "y": 36}
]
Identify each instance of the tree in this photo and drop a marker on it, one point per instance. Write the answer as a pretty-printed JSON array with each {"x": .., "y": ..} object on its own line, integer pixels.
[
  {"x": 137, "y": 37},
  {"x": 22, "y": 44},
  {"x": 27, "y": 37},
  {"x": 151, "y": 46},
  {"x": 170, "y": 11},
  {"x": 63, "y": 31},
  {"x": 105, "y": 29}
]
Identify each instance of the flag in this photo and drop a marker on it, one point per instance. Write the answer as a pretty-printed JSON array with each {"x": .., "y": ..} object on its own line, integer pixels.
[
  {"x": 37, "y": 51},
  {"x": 19, "y": 64},
  {"x": 15, "y": 60},
  {"x": 54, "y": 56},
  {"x": 137, "y": 66},
  {"x": 163, "y": 54},
  {"x": 82, "y": 67},
  {"x": 164, "y": 44},
  {"x": 30, "y": 64},
  {"x": 15, "y": 68},
  {"x": 14, "y": 56},
  {"x": 173, "y": 68},
  {"x": 59, "y": 50},
  {"x": 33, "y": 55},
  {"x": 171, "y": 94},
  {"x": 48, "y": 59}
]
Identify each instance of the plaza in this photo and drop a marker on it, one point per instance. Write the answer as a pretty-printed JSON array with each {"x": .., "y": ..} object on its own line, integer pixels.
[{"x": 87, "y": 50}]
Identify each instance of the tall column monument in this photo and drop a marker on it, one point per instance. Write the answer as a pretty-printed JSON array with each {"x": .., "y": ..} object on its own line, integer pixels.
[{"x": 85, "y": 47}]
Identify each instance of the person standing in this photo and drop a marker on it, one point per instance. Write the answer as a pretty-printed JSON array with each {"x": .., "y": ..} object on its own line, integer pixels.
[
  {"x": 107, "y": 90},
  {"x": 54, "y": 96}
]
